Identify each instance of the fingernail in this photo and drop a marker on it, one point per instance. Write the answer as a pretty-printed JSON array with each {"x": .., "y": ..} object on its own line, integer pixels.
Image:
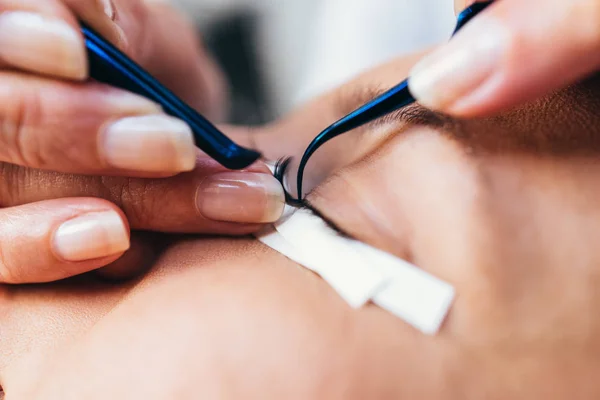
[
  {"x": 39, "y": 44},
  {"x": 443, "y": 79},
  {"x": 242, "y": 197},
  {"x": 151, "y": 143},
  {"x": 108, "y": 7},
  {"x": 105, "y": 23},
  {"x": 91, "y": 236}
]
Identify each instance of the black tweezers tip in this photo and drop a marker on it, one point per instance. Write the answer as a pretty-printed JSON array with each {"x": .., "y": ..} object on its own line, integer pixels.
[{"x": 280, "y": 168}]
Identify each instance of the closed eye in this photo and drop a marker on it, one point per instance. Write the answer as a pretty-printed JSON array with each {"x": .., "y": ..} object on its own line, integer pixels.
[
  {"x": 411, "y": 115},
  {"x": 280, "y": 169}
]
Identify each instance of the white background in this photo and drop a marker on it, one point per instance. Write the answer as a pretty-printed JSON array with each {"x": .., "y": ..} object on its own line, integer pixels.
[{"x": 312, "y": 45}]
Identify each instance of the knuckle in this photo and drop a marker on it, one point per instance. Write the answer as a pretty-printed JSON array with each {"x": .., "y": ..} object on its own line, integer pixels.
[
  {"x": 15, "y": 181},
  {"x": 20, "y": 143},
  {"x": 133, "y": 196}
]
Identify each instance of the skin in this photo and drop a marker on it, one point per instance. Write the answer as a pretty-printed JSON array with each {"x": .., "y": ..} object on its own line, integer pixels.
[
  {"x": 505, "y": 209},
  {"x": 515, "y": 52},
  {"x": 61, "y": 169}
]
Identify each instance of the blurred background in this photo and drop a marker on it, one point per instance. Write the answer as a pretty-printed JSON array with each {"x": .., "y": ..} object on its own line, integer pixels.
[{"x": 279, "y": 53}]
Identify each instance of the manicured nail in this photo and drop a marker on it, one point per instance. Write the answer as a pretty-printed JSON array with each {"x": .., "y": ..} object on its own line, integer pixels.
[
  {"x": 151, "y": 143},
  {"x": 242, "y": 197},
  {"x": 36, "y": 43},
  {"x": 91, "y": 236},
  {"x": 446, "y": 79}
]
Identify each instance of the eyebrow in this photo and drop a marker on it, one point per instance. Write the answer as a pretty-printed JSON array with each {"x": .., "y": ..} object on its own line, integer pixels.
[{"x": 414, "y": 114}]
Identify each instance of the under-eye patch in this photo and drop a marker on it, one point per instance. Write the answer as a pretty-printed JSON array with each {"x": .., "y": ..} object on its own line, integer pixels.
[{"x": 360, "y": 273}]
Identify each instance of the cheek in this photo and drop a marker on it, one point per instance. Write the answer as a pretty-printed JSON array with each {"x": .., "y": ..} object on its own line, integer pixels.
[{"x": 507, "y": 232}]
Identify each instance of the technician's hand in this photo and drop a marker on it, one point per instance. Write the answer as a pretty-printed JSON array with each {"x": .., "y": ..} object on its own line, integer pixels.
[
  {"x": 54, "y": 123},
  {"x": 515, "y": 51}
]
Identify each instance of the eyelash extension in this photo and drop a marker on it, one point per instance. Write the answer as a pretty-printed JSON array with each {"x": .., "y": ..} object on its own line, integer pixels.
[
  {"x": 280, "y": 168},
  {"x": 327, "y": 221}
]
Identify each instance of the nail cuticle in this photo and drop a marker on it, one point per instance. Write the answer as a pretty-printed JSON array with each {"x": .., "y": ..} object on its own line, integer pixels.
[{"x": 240, "y": 197}]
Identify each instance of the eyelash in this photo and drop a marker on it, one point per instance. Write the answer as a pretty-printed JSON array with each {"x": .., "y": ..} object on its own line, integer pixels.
[{"x": 280, "y": 168}]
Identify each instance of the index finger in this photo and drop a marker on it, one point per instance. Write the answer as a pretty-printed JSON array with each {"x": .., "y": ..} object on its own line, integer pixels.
[
  {"x": 514, "y": 52},
  {"x": 210, "y": 199},
  {"x": 43, "y": 36}
]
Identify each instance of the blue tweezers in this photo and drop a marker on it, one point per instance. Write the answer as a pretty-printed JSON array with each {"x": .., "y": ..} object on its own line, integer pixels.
[
  {"x": 109, "y": 65},
  {"x": 394, "y": 99}
]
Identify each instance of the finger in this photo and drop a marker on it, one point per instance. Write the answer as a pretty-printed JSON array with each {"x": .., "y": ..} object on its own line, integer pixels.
[
  {"x": 169, "y": 47},
  {"x": 88, "y": 129},
  {"x": 514, "y": 52},
  {"x": 209, "y": 199},
  {"x": 55, "y": 239},
  {"x": 43, "y": 36},
  {"x": 460, "y": 5}
]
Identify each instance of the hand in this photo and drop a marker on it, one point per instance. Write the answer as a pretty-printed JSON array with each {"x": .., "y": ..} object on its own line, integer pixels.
[
  {"x": 54, "y": 224},
  {"x": 514, "y": 52}
]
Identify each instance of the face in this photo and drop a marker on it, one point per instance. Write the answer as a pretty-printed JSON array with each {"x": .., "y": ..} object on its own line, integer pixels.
[{"x": 504, "y": 209}]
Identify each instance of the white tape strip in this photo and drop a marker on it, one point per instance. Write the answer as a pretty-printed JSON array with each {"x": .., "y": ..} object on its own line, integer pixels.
[
  {"x": 345, "y": 272},
  {"x": 331, "y": 256},
  {"x": 361, "y": 273},
  {"x": 413, "y": 295}
]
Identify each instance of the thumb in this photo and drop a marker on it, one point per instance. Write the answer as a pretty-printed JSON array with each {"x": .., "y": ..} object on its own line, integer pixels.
[
  {"x": 516, "y": 51},
  {"x": 56, "y": 239}
]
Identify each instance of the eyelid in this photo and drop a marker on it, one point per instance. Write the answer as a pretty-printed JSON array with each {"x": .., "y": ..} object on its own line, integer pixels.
[
  {"x": 304, "y": 204},
  {"x": 413, "y": 115},
  {"x": 310, "y": 207}
]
